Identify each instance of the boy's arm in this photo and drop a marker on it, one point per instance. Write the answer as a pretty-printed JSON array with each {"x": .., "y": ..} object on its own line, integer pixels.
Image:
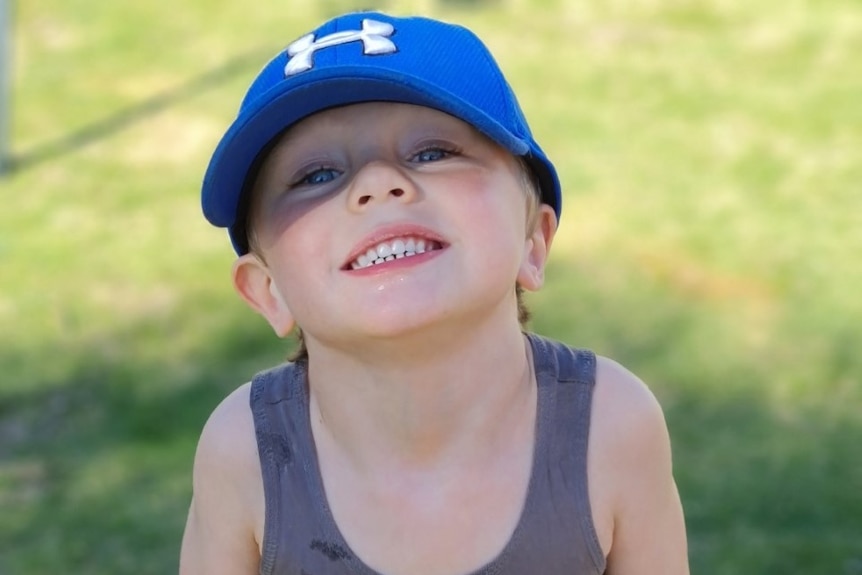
[
  {"x": 633, "y": 461},
  {"x": 220, "y": 533}
]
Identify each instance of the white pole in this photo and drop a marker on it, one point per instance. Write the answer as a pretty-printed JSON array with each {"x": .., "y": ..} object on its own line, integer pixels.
[{"x": 5, "y": 83}]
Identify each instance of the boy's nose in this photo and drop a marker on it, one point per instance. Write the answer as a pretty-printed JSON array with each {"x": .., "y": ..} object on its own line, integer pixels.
[{"x": 377, "y": 182}]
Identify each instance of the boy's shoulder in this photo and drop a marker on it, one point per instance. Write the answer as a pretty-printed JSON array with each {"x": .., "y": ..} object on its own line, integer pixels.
[
  {"x": 627, "y": 422},
  {"x": 622, "y": 398},
  {"x": 629, "y": 455},
  {"x": 226, "y": 461},
  {"x": 227, "y": 509},
  {"x": 230, "y": 425},
  {"x": 619, "y": 397}
]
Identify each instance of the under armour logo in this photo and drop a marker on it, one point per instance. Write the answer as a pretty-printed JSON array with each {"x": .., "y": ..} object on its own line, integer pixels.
[{"x": 374, "y": 37}]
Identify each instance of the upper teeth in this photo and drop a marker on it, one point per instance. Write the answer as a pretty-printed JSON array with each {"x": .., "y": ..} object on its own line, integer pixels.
[{"x": 392, "y": 249}]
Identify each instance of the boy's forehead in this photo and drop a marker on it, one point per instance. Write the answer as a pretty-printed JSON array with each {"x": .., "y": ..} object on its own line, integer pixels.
[{"x": 376, "y": 120}]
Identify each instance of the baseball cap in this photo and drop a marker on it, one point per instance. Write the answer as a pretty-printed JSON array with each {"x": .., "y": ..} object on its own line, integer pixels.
[{"x": 365, "y": 57}]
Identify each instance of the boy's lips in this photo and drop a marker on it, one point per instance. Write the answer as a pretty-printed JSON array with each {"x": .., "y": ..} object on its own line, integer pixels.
[{"x": 395, "y": 242}]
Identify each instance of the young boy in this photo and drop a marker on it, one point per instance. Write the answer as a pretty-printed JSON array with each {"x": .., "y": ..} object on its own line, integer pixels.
[{"x": 384, "y": 194}]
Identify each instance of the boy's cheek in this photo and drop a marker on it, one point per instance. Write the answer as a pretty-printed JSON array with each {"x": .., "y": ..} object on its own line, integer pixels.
[{"x": 286, "y": 219}]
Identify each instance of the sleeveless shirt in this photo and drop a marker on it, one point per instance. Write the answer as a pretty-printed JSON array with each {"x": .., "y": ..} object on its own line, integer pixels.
[{"x": 554, "y": 535}]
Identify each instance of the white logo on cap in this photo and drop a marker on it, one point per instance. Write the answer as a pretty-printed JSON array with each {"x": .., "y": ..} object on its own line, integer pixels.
[{"x": 374, "y": 37}]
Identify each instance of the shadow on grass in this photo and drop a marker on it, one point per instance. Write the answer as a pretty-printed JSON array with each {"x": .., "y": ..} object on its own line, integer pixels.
[
  {"x": 95, "y": 471},
  {"x": 766, "y": 435},
  {"x": 124, "y": 118}
]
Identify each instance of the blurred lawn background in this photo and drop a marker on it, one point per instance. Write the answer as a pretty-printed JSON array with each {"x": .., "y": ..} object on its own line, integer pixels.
[{"x": 711, "y": 153}]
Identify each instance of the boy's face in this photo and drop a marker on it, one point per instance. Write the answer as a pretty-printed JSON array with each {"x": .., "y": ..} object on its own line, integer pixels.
[{"x": 347, "y": 186}]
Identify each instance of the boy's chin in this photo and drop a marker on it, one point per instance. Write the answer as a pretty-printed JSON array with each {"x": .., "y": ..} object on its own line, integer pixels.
[{"x": 416, "y": 335}]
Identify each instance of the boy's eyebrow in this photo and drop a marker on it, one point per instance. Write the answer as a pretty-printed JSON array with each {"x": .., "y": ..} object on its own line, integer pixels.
[{"x": 422, "y": 128}]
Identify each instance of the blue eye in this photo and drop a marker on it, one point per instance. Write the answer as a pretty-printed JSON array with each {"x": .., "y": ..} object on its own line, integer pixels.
[
  {"x": 432, "y": 155},
  {"x": 319, "y": 176}
]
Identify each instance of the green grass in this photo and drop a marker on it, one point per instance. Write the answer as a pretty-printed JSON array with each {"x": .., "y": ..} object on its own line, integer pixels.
[{"x": 711, "y": 153}]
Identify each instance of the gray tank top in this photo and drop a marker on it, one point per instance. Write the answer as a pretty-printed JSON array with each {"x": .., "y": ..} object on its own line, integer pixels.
[{"x": 554, "y": 535}]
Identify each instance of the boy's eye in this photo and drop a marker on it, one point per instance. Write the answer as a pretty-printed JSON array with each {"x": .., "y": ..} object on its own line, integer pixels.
[
  {"x": 433, "y": 154},
  {"x": 318, "y": 176}
]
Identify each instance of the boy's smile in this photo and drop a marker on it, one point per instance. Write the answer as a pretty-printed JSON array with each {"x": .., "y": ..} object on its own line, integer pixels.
[
  {"x": 379, "y": 218},
  {"x": 392, "y": 243}
]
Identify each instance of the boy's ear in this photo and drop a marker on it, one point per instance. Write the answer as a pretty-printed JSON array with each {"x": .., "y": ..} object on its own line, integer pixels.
[
  {"x": 531, "y": 275},
  {"x": 254, "y": 284}
]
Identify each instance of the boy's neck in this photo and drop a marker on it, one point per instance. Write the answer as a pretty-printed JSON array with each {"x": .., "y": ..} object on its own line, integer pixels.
[{"x": 423, "y": 403}]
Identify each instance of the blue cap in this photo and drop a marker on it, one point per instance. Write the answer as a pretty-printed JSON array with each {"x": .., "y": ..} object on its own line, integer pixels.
[{"x": 364, "y": 57}]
